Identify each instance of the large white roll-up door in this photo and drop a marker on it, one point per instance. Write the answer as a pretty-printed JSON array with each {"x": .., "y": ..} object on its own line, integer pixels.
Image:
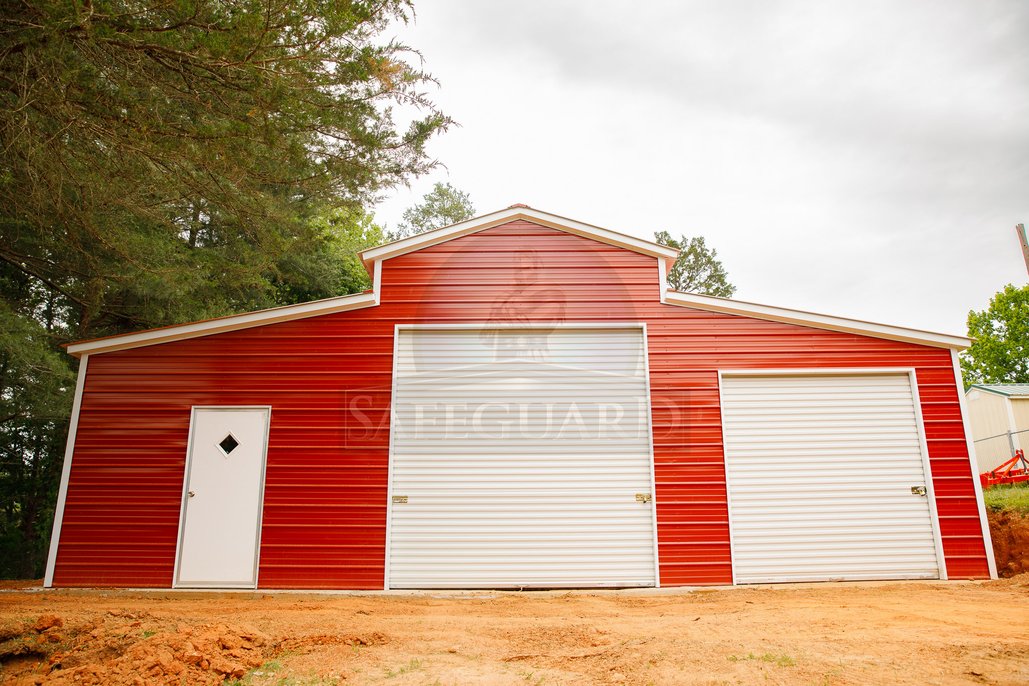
[
  {"x": 521, "y": 458},
  {"x": 824, "y": 477}
]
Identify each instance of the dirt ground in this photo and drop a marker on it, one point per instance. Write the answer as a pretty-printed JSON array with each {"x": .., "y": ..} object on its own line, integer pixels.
[
  {"x": 824, "y": 634},
  {"x": 1009, "y": 530}
]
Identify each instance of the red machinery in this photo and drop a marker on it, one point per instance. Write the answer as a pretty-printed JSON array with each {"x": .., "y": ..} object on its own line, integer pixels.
[{"x": 1007, "y": 473}]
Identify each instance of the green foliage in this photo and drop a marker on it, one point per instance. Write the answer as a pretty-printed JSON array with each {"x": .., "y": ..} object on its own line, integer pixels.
[
  {"x": 161, "y": 158},
  {"x": 1000, "y": 351},
  {"x": 442, "y": 206},
  {"x": 1008, "y": 497},
  {"x": 172, "y": 161},
  {"x": 35, "y": 394},
  {"x": 698, "y": 269},
  {"x": 330, "y": 265}
]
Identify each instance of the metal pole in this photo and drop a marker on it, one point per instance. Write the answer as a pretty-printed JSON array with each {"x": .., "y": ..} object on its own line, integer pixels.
[{"x": 1020, "y": 230}]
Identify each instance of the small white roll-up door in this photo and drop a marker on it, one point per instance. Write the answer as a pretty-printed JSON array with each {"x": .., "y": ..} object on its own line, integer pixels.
[
  {"x": 521, "y": 458},
  {"x": 825, "y": 475}
]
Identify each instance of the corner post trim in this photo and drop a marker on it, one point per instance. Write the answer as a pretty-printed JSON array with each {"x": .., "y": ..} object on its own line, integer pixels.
[{"x": 62, "y": 494}]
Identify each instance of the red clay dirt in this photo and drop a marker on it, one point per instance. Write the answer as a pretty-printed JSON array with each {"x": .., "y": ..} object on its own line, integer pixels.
[
  {"x": 1010, "y": 532},
  {"x": 826, "y": 634}
]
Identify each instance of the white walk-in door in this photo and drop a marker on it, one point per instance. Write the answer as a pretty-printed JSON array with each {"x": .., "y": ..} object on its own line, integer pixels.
[
  {"x": 826, "y": 479},
  {"x": 220, "y": 526},
  {"x": 521, "y": 458}
]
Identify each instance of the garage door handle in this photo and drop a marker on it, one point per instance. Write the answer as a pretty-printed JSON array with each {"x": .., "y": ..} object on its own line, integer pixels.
[
  {"x": 643, "y": 497},
  {"x": 918, "y": 490}
]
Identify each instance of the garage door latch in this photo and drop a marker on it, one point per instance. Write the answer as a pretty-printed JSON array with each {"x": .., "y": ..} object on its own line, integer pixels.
[
  {"x": 643, "y": 497},
  {"x": 918, "y": 490}
]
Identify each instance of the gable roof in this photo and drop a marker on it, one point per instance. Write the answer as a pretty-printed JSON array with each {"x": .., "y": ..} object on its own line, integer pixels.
[
  {"x": 514, "y": 213},
  {"x": 374, "y": 257},
  {"x": 1010, "y": 390}
]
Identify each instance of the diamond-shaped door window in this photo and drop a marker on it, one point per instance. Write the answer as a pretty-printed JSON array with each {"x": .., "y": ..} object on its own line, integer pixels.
[{"x": 228, "y": 444}]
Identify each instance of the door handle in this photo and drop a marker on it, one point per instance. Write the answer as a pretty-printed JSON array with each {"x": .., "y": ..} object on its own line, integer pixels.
[{"x": 192, "y": 493}]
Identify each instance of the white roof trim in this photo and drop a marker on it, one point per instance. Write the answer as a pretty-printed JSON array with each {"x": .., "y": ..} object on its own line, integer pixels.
[
  {"x": 373, "y": 259},
  {"x": 986, "y": 388},
  {"x": 488, "y": 221},
  {"x": 818, "y": 321},
  {"x": 231, "y": 323}
]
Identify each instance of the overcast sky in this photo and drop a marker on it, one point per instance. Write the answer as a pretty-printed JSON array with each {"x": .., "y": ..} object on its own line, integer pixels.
[{"x": 863, "y": 159}]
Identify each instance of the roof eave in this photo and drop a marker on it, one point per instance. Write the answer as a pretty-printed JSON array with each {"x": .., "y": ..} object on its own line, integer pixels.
[
  {"x": 996, "y": 391},
  {"x": 235, "y": 322},
  {"x": 815, "y": 320}
]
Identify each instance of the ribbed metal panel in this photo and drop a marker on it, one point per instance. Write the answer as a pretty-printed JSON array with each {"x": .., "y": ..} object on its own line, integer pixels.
[
  {"x": 328, "y": 380},
  {"x": 820, "y": 473},
  {"x": 517, "y": 457}
]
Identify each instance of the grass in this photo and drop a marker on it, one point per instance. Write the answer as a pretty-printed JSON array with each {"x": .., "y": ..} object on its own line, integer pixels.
[
  {"x": 404, "y": 669},
  {"x": 1008, "y": 497},
  {"x": 781, "y": 660},
  {"x": 248, "y": 680}
]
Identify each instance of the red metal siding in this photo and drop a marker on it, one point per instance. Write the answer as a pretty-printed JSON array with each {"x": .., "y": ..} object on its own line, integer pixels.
[{"x": 328, "y": 380}]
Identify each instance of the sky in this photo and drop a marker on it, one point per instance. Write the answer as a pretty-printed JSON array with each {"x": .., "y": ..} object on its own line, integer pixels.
[{"x": 861, "y": 159}]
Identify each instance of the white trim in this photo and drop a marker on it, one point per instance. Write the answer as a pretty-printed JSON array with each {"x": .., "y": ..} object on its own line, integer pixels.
[
  {"x": 642, "y": 326},
  {"x": 930, "y": 489},
  {"x": 373, "y": 260},
  {"x": 662, "y": 279},
  {"x": 966, "y": 425},
  {"x": 389, "y": 465},
  {"x": 525, "y": 325},
  {"x": 725, "y": 471},
  {"x": 274, "y": 315},
  {"x": 377, "y": 281},
  {"x": 488, "y": 221},
  {"x": 650, "y": 447},
  {"x": 934, "y": 518},
  {"x": 818, "y": 321},
  {"x": 185, "y": 495},
  {"x": 818, "y": 371},
  {"x": 62, "y": 494},
  {"x": 994, "y": 391}
]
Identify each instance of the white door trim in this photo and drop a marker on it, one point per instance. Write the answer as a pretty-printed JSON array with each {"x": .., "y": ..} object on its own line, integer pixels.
[
  {"x": 650, "y": 448},
  {"x": 930, "y": 490},
  {"x": 844, "y": 371},
  {"x": 728, "y": 481},
  {"x": 389, "y": 467},
  {"x": 527, "y": 325},
  {"x": 185, "y": 492},
  {"x": 397, "y": 328}
]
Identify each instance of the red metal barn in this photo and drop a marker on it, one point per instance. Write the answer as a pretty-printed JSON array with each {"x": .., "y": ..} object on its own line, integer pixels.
[{"x": 518, "y": 402}]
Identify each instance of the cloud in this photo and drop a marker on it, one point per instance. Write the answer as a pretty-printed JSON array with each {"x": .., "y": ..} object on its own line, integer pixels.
[{"x": 865, "y": 159}]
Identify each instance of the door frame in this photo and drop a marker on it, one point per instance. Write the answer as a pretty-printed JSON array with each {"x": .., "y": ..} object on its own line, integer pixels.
[
  {"x": 515, "y": 326},
  {"x": 923, "y": 446},
  {"x": 267, "y": 409}
]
